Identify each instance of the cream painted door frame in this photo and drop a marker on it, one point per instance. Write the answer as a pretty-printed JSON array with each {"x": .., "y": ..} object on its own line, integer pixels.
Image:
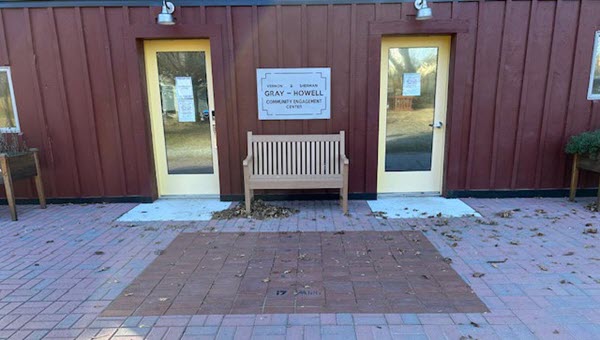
[
  {"x": 177, "y": 171},
  {"x": 417, "y": 167}
]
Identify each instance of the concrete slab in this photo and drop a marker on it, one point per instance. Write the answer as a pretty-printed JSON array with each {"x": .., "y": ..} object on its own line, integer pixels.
[
  {"x": 175, "y": 209},
  {"x": 422, "y": 207}
]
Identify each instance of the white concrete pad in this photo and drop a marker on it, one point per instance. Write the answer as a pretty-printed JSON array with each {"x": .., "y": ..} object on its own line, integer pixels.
[
  {"x": 420, "y": 207},
  {"x": 175, "y": 209}
]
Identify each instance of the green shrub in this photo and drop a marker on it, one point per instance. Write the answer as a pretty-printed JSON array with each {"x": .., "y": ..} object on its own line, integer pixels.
[{"x": 586, "y": 143}]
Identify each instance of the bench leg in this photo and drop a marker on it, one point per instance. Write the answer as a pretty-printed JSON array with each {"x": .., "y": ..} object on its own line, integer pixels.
[
  {"x": 248, "y": 198},
  {"x": 574, "y": 179},
  {"x": 345, "y": 196},
  {"x": 345, "y": 200},
  {"x": 39, "y": 185},
  {"x": 10, "y": 194}
]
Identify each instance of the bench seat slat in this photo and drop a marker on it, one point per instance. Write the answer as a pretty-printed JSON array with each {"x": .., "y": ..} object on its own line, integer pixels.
[{"x": 291, "y": 182}]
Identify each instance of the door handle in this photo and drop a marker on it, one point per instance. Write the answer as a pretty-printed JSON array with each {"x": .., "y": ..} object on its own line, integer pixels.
[{"x": 437, "y": 125}]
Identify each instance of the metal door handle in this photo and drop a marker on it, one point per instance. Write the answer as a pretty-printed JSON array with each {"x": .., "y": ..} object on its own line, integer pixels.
[{"x": 437, "y": 125}]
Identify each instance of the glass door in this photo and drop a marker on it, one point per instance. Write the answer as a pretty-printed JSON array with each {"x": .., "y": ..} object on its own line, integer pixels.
[
  {"x": 413, "y": 96},
  {"x": 180, "y": 96}
]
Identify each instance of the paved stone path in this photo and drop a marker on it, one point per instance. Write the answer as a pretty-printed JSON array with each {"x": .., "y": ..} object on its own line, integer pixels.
[
  {"x": 537, "y": 269},
  {"x": 308, "y": 272}
]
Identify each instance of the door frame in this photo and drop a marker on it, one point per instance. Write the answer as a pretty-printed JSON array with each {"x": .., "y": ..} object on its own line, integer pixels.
[
  {"x": 458, "y": 30},
  {"x": 191, "y": 184},
  {"x": 442, "y": 42},
  {"x": 136, "y": 74}
]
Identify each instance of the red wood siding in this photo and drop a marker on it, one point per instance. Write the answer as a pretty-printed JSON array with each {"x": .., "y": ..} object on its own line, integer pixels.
[{"x": 518, "y": 88}]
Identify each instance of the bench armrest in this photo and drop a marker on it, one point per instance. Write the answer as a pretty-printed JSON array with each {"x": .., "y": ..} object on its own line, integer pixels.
[
  {"x": 248, "y": 160},
  {"x": 344, "y": 160}
]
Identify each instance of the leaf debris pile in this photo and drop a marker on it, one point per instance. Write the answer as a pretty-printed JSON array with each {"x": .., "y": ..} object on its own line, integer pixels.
[
  {"x": 593, "y": 207},
  {"x": 259, "y": 210}
]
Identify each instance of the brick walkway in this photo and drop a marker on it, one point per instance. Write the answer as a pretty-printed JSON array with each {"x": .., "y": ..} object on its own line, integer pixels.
[
  {"x": 537, "y": 270},
  {"x": 310, "y": 272}
]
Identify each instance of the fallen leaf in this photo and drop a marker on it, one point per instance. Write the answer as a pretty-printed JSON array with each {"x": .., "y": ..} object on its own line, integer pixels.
[
  {"x": 163, "y": 299},
  {"x": 478, "y": 274},
  {"x": 591, "y": 231},
  {"x": 379, "y": 214},
  {"x": 99, "y": 252},
  {"x": 265, "y": 280},
  {"x": 542, "y": 267},
  {"x": 474, "y": 324},
  {"x": 497, "y": 261},
  {"x": 505, "y": 214},
  {"x": 570, "y": 253}
]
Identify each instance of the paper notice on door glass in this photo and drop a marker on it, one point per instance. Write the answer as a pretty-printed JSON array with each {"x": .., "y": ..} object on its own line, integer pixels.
[
  {"x": 411, "y": 84},
  {"x": 185, "y": 99}
]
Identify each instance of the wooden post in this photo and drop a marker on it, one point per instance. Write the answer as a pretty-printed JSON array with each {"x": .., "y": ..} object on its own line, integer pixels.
[
  {"x": 39, "y": 185},
  {"x": 574, "y": 179},
  {"x": 8, "y": 186}
]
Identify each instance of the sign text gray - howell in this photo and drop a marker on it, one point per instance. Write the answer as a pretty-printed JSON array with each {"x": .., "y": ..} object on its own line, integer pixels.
[{"x": 293, "y": 93}]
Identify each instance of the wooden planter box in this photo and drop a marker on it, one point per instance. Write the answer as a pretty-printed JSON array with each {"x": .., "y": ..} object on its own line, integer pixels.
[
  {"x": 586, "y": 163},
  {"x": 20, "y": 166}
]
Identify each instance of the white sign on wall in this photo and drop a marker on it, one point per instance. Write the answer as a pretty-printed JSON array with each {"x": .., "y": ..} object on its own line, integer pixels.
[
  {"x": 185, "y": 99},
  {"x": 411, "y": 84},
  {"x": 293, "y": 93}
]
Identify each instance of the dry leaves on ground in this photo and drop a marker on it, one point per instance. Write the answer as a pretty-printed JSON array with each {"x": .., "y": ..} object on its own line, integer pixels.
[
  {"x": 259, "y": 210},
  {"x": 378, "y": 214},
  {"x": 505, "y": 214}
]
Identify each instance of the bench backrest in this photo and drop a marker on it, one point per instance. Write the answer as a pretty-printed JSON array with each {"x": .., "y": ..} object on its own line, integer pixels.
[{"x": 296, "y": 155}]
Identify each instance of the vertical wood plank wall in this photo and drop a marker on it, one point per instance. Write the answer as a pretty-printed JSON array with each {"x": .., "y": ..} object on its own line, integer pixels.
[{"x": 521, "y": 94}]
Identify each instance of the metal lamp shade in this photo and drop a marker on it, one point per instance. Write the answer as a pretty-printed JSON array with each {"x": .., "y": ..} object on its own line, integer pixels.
[
  {"x": 165, "y": 17},
  {"x": 423, "y": 11}
]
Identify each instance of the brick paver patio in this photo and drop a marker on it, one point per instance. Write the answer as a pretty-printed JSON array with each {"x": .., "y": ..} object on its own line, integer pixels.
[
  {"x": 293, "y": 272},
  {"x": 536, "y": 268}
]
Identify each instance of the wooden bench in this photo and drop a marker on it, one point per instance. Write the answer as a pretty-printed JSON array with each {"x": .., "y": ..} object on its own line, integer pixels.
[{"x": 296, "y": 162}]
